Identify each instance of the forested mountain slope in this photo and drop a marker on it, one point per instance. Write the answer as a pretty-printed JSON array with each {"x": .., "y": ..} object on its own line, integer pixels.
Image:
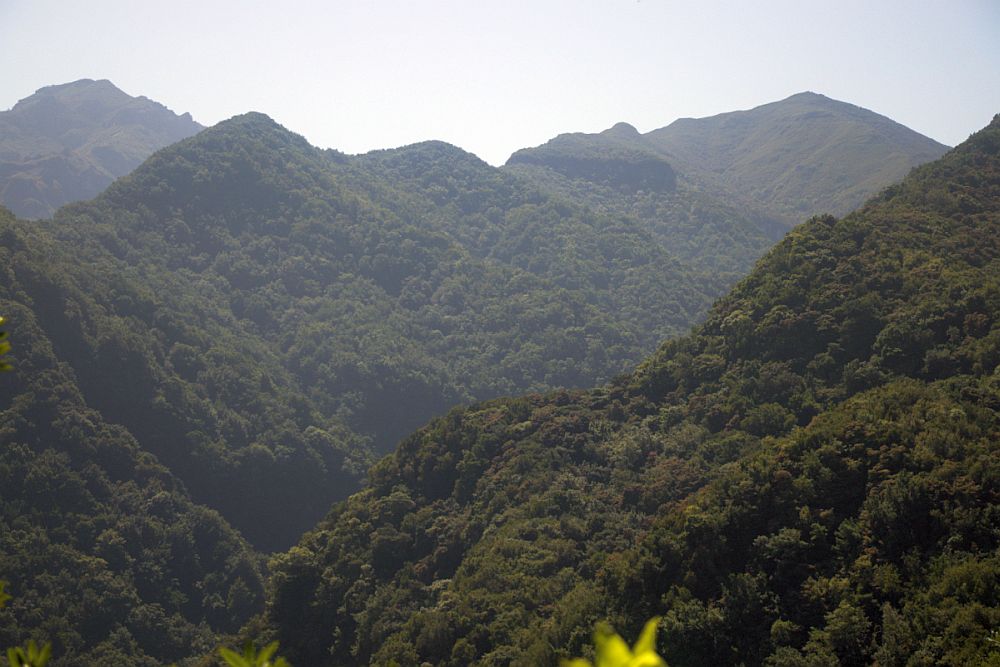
[
  {"x": 264, "y": 316},
  {"x": 104, "y": 551},
  {"x": 68, "y": 142},
  {"x": 719, "y": 191},
  {"x": 810, "y": 477}
]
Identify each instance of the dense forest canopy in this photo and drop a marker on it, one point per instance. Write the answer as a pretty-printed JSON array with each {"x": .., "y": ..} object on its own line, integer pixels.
[
  {"x": 221, "y": 346},
  {"x": 103, "y": 549},
  {"x": 809, "y": 478},
  {"x": 279, "y": 314}
]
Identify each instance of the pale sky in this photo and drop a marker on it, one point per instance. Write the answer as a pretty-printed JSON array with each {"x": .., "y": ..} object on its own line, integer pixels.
[{"x": 494, "y": 76}]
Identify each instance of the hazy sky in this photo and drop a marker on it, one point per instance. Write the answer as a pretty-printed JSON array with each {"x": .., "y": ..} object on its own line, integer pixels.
[{"x": 494, "y": 76}]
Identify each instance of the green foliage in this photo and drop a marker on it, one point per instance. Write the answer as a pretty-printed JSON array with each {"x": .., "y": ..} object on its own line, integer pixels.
[
  {"x": 30, "y": 656},
  {"x": 743, "y": 178},
  {"x": 717, "y": 238},
  {"x": 611, "y": 650},
  {"x": 221, "y": 344},
  {"x": 238, "y": 327},
  {"x": 784, "y": 486},
  {"x": 265, "y": 347},
  {"x": 251, "y": 658},
  {"x": 108, "y": 554}
]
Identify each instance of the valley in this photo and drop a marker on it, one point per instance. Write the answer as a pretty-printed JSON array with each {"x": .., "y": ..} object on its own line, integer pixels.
[{"x": 407, "y": 406}]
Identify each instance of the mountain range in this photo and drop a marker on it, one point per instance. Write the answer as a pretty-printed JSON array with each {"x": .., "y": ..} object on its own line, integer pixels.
[
  {"x": 808, "y": 478},
  {"x": 220, "y": 345},
  {"x": 719, "y": 191}
]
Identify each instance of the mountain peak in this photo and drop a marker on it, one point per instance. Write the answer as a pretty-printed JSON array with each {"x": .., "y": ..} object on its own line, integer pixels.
[
  {"x": 795, "y": 156},
  {"x": 253, "y": 117},
  {"x": 622, "y": 130},
  {"x": 67, "y": 142},
  {"x": 807, "y": 95},
  {"x": 80, "y": 96},
  {"x": 255, "y": 126},
  {"x": 79, "y": 84}
]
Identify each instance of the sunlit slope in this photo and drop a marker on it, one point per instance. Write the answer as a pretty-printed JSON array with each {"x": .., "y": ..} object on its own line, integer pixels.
[{"x": 804, "y": 155}]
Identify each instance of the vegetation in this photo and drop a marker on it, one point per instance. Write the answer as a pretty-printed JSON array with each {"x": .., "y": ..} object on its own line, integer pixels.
[
  {"x": 809, "y": 478},
  {"x": 30, "y": 655},
  {"x": 33, "y": 655},
  {"x": 612, "y": 651},
  {"x": 4, "y": 347},
  {"x": 105, "y": 553},
  {"x": 718, "y": 192},
  {"x": 217, "y": 349},
  {"x": 264, "y": 317},
  {"x": 252, "y": 658},
  {"x": 214, "y": 350}
]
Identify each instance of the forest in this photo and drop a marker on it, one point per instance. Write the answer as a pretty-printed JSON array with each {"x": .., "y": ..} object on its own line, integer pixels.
[
  {"x": 408, "y": 408},
  {"x": 809, "y": 478}
]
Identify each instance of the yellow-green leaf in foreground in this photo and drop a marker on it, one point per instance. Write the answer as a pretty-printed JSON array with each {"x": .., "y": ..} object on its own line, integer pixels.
[{"x": 612, "y": 651}]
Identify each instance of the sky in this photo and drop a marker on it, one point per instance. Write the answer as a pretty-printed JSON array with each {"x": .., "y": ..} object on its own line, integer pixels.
[{"x": 494, "y": 76}]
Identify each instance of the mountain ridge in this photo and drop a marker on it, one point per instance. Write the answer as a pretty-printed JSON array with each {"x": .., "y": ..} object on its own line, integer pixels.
[
  {"x": 252, "y": 320},
  {"x": 356, "y": 283}
]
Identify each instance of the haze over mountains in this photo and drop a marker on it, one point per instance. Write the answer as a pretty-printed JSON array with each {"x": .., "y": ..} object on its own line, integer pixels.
[
  {"x": 800, "y": 156},
  {"x": 68, "y": 142},
  {"x": 221, "y": 344},
  {"x": 718, "y": 191}
]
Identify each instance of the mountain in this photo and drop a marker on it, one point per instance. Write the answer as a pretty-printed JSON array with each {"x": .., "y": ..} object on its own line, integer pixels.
[
  {"x": 216, "y": 349},
  {"x": 718, "y": 192},
  {"x": 265, "y": 317},
  {"x": 809, "y": 477},
  {"x": 68, "y": 142},
  {"x": 804, "y": 155},
  {"x": 101, "y": 546}
]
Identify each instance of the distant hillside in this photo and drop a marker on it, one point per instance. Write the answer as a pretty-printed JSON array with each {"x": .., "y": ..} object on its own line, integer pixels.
[
  {"x": 720, "y": 191},
  {"x": 617, "y": 173},
  {"x": 68, "y": 142},
  {"x": 805, "y": 155},
  {"x": 618, "y": 157},
  {"x": 809, "y": 478}
]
